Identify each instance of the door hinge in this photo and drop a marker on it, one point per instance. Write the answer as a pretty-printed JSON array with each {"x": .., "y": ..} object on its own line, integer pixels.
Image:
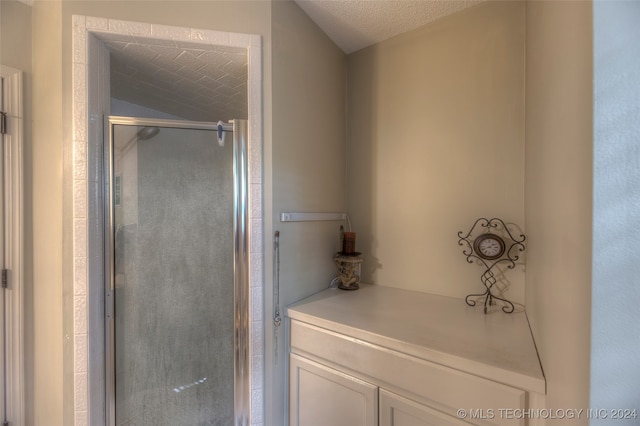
[
  {"x": 5, "y": 278},
  {"x": 3, "y": 123}
]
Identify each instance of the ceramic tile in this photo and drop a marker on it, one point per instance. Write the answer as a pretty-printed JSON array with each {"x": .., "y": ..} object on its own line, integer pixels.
[
  {"x": 256, "y": 369},
  {"x": 81, "y": 392},
  {"x": 79, "y": 74},
  {"x": 94, "y": 23},
  {"x": 154, "y": 42},
  {"x": 80, "y": 237},
  {"x": 255, "y": 269},
  {"x": 79, "y": 158},
  {"x": 255, "y": 41},
  {"x": 173, "y": 33},
  {"x": 81, "y": 351},
  {"x": 256, "y": 237},
  {"x": 127, "y": 27},
  {"x": 141, "y": 51},
  {"x": 190, "y": 75},
  {"x": 215, "y": 59},
  {"x": 255, "y": 112},
  {"x": 257, "y": 334},
  {"x": 239, "y": 40},
  {"x": 254, "y": 64},
  {"x": 79, "y": 44},
  {"x": 257, "y": 404},
  {"x": 109, "y": 37},
  {"x": 166, "y": 58},
  {"x": 80, "y": 276},
  {"x": 92, "y": 69},
  {"x": 255, "y": 165},
  {"x": 213, "y": 37},
  {"x": 257, "y": 293},
  {"x": 190, "y": 61},
  {"x": 80, "y": 314},
  {"x": 255, "y": 201},
  {"x": 79, "y": 195},
  {"x": 257, "y": 310},
  {"x": 81, "y": 418},
  {"x": 78, "y": 21},
  {"x": 79, "y": 198},
  {"x": 79, "y": 103}
]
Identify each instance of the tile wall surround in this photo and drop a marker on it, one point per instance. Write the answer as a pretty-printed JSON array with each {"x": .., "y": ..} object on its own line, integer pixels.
[{"x": 90, "y": 102}]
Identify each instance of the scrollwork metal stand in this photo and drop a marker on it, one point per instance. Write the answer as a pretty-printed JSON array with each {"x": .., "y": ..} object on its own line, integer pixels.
[{"x": 509, "y": 258}]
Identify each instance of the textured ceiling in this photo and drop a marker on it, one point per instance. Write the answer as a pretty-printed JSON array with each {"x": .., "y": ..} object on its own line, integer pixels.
[
  {"x": 193, "y": 81},
  {"x": 355, "y": 24}
]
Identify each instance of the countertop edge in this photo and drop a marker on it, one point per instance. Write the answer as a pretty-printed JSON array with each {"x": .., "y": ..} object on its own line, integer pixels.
[{"x": 503, "y": 375}]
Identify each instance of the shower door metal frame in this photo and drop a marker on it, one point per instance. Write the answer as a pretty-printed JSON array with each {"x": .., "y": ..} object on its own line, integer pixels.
[{"x": 242, "y": 395}]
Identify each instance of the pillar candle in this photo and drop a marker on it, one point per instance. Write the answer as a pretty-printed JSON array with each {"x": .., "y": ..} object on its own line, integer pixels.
[{"x": 349, "y": 243}]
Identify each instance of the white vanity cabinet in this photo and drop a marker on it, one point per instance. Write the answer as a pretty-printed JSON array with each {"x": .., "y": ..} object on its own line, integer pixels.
[
  {"x": 396, "y": 410},
  {"x": 325, "y": 396},
  {"x": 383, "y": 356}
]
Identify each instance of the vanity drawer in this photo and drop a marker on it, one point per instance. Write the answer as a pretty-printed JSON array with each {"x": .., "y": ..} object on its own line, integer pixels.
[{"x": 437, "y": 386}]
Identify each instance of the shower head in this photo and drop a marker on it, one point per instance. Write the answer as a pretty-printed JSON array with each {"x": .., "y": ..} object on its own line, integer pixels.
[{"x": 148, "y": 132}]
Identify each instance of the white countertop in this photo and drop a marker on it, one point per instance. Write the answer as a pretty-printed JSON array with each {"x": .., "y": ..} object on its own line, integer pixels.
[{"x": 439, "y": 329}]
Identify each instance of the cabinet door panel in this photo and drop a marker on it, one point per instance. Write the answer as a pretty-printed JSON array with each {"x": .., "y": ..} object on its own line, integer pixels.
[
  {"x": 322, "y": 396},
  {"x": 450, "y": 389},
  {"x": 398, "y": 411}
]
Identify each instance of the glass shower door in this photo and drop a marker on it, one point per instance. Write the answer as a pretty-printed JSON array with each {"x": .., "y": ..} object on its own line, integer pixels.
[{"x": 172, "y": 274}]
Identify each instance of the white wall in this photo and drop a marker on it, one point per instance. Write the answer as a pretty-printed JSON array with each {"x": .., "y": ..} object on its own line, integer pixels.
[
  {"x": 436, "y": 140},
  {"x": 45, "y": 402},
  {"x": 308, "y": 172},
  {"x": 15, "y": 52},
  {"x": 558, "y": 194},
  {"x": 615, "y": 317},
  {"x": 15, "y": 39}
]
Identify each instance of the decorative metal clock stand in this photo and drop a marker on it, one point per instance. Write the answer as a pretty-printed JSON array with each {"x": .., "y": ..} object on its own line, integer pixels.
[{"x": 492, "y": 244}]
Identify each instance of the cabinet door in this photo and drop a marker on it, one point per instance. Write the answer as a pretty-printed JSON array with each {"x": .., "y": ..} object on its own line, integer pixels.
[
  {"x": 398, "y": 411},
  {"x": 322, "y": 396}
]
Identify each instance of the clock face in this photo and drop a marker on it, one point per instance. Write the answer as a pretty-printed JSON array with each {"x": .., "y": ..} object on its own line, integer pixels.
[{"x": 489, "y": 246}]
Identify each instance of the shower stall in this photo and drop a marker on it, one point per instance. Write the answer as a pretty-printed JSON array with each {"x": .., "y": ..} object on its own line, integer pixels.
[{"x": 177, "y": 272}]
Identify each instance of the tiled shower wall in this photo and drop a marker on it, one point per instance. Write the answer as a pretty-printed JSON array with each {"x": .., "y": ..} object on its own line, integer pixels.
[{"x": 90, "y": 104}]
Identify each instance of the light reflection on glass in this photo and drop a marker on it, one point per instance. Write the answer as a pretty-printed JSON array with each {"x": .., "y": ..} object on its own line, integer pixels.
[{"x": 185, "y": 387}]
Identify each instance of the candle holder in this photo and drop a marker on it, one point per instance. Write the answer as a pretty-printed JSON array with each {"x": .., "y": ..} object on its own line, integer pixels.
[{"x": 349, "y": 267}]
